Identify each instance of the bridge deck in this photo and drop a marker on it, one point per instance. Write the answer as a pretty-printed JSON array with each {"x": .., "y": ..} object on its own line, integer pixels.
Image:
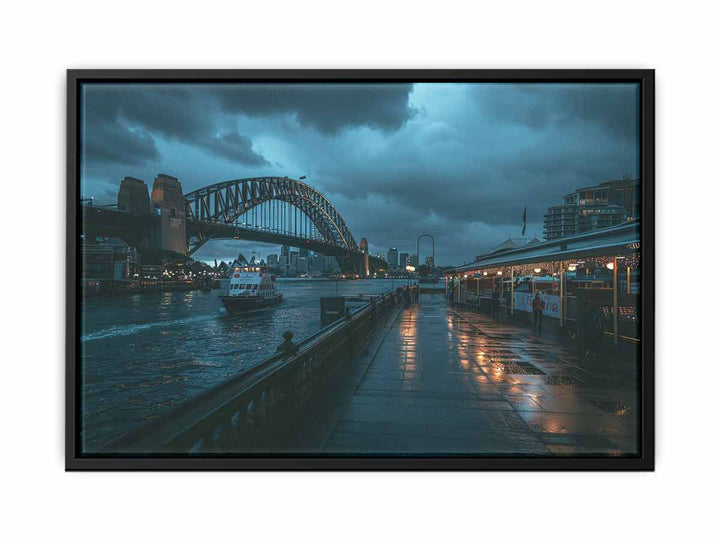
[{"x": 456, "y": 382}]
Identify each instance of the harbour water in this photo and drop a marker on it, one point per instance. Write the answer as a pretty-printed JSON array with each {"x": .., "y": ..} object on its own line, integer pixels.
[{"x": 145, "y": 353}]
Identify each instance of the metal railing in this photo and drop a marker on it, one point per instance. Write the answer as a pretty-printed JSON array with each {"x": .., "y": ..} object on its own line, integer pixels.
[{"x": 225, "y": 417}]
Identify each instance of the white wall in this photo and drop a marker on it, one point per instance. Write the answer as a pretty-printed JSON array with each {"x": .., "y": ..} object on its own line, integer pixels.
[{"x": 40, "y": 40}]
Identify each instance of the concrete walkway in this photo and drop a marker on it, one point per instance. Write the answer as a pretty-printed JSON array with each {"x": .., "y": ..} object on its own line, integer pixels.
[{"x": 447, "y": 381}]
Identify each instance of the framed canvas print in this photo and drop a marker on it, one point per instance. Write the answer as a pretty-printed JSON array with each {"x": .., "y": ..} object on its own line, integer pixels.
[{"x": 338, "y": 269}]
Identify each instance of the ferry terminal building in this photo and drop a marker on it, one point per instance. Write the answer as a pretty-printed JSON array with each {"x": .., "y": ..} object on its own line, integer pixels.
[{"x": 597, "y": 270}]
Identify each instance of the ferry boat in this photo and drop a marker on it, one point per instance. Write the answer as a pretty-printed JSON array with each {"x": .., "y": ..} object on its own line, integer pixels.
[{"x": 250, "y": 287}]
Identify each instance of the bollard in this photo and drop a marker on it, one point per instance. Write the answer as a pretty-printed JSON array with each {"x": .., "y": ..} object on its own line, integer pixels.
[{"x": 287, "y": 346}]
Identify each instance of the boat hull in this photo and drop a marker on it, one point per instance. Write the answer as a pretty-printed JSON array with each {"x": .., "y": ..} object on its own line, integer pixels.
[{"x": 240, "y": 304}]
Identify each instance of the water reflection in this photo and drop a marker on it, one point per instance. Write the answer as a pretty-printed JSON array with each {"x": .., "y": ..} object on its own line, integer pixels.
[{"x": 143, "y": 353}]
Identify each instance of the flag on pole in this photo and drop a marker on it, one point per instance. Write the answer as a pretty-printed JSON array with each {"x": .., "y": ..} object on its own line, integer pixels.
[{"x": 524, "y": 220}]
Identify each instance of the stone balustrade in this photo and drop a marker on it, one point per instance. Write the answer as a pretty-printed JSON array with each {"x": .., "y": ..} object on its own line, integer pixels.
[{"x": 229, "y": 416}]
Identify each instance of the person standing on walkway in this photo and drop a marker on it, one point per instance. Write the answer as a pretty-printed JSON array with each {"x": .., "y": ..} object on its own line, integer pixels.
[
  {"x": 594, "y": 332},
  {"x": 495, "y": 304},
  {"x": 537, "y": 306}
]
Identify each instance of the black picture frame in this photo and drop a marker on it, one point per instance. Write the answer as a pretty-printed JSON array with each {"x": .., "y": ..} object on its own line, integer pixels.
[{"x": 75, "y": 461}]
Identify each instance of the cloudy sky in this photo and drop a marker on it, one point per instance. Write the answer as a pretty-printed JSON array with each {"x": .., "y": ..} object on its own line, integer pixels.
[{"x": 459, "y": 161}]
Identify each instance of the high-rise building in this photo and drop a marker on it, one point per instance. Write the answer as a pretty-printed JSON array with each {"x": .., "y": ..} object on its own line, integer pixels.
[
  {"x": 429, "y": 261},
  {"x": 316, "y": 263},
  {"x": 284, "y": 260},
  {"x": 590, "y": 208},
  {"x": 330, "y": 265},
  {"x": 599, "y": 216},
  {"x": 403, "y": 261},
  {"x": 561, "y": 220},
  {"x": 272, "y": 260},
  {"x": 392, "y": 258}
]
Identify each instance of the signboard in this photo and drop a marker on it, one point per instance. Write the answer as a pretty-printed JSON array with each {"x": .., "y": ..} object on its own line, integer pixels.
[
  {"x": 523, "y": 302},
  {"x": 332, "y": 308}
]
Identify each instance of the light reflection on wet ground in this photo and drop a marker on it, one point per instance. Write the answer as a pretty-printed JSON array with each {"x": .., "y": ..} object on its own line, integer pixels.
[{"x": 456, "y": 382}]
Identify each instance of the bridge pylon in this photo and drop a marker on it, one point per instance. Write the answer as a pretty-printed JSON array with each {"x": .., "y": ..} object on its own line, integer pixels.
[{"x": 169, "y": 203}]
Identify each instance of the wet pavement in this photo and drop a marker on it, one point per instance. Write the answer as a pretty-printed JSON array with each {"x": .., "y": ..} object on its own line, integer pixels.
[{"x": 446, "y": 380}]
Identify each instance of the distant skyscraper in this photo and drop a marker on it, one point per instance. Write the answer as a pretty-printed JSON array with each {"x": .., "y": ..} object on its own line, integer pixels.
[
  {"x": 284, "y": 259},
  {"x": 429, "y": 262},
  {"x": 315, "y": 262},
  {"x": 330, "y": 265},
  {"x": 392, "y": 258},
  {"x": 403, "y": 262}
]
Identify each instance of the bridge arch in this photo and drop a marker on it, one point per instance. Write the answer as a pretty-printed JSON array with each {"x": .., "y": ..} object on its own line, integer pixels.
[{"x": 226, "y": 202}]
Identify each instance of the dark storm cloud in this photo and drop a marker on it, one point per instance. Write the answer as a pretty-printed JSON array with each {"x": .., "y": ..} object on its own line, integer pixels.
[
  {"x": 111, "y": 142},
  {"x": 614, "y": 107},
  {"x": 512, "y": 146},
  {"x": 233, "y": 146},
  {"x": 328, "y": 108},
  {"x": 180, "y": 114},
  {"x": 458, "y": 161}
]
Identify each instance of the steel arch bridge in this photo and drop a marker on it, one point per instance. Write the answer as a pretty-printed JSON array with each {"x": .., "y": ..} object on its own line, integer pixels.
[{"x": 273, "y": 209}]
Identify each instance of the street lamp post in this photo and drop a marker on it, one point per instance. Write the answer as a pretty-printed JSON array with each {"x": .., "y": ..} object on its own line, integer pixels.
[
  {"x": 613, "y": 266},
  {"x": 417, "y": 253},
  {"x": 409, "y": 269},
  {"x": 512, "y": 290}
]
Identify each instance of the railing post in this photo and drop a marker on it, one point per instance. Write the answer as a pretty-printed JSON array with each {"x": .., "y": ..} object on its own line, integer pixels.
[
  {"x": 512, "y": 291},
  {"x": 562, "y": 296},
  {"x": 615, "y": 301}
]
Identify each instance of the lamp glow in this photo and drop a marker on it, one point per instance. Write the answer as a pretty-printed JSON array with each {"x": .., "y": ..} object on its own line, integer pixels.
[{"x": 537, "y": 270}]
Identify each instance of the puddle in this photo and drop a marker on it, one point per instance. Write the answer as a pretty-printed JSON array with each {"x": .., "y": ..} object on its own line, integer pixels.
[
  {"x": 518, "y": 368},
  {"x": 617, "y": 408},
  {"x": 562, "y": 380}
]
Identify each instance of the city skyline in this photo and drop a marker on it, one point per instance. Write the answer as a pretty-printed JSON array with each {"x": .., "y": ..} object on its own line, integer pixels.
[{"x": 460, "y": 161}]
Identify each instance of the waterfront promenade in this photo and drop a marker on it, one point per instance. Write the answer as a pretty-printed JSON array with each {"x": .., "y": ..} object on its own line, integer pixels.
[{"x": 447, "y": 380}]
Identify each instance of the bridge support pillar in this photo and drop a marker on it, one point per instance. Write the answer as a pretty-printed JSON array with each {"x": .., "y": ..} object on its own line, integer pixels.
[
  {"x": 365, "y": 271},
  {"x": 133, "y": 196},
  {"x": 168, "y": 202}
]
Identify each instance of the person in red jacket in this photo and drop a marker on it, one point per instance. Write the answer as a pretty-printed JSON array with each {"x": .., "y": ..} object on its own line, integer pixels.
[{"x": 537, "y": 306}]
